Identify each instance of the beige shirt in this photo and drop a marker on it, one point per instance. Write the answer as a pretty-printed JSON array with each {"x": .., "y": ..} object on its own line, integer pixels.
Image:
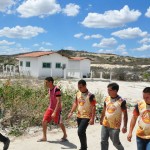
[
  {"x": 113, "y": 113},
  {"x": 143, "y": 130},
  {"x": 84, "y": 109}
]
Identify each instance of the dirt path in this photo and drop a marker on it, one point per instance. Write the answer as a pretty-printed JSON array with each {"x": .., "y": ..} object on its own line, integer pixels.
[{"x": 29, "y": 142}]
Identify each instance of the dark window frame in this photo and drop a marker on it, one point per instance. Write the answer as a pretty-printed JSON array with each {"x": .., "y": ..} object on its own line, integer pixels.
[
  {"x": 21, "y": 63},
  {"x": 28, "y": 64},
  {"x": 46, "y": 65},
  {"x": 58, "y": 65}
]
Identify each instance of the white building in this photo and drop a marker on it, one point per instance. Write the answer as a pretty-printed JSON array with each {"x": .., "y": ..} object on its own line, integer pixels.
[{"x": 43, "y": 64}]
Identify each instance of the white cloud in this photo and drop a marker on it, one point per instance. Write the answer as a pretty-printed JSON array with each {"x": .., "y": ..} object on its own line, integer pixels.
[
  {"x": 43, "y": 49},
  {"x": 78, "y": 35},
  {"x": 94, "y": 36},
  {"x": 105, "y": 51},
  {"x": 16, "y": 50},
  {"x": 47, "y": 43},
  {"x": 89, "y": 7},
  {"x": 147, "y": 14},
  {"x": 130, "y": 33},
  {"x": 69, "y": 48},
  {"x": 111, "y": 18},
  {"x": 4, "y": 42},
  {"x": 144, "y": 47},
  {"x": 144, "y": 40},
  {"x": 18, "y": 45},
  {"x": 71, "y": 9},
  {"x": 121, "y": 47},
  {"x": 5, "y": 5},
  {"x": 124, "y": 53},
  {"x": 41, "y": 8},
  {"x": 106, "y": 42},
  {"x": 21, "y": 32},
  {"x": 36, "y": 45}
]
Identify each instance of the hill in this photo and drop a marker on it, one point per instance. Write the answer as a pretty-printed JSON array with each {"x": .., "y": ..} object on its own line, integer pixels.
[
  {"x": 97, "y": 58},
  {"x": 100, "y": 58}
]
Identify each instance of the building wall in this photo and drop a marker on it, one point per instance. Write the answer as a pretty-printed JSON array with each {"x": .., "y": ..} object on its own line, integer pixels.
[
  {"x": 85, "y": 67},
  {"x": 53, "y": 59},
  {"x": 73, "y": 69},
  {"x": 76, "y": 69},
  {"x": 74, "y": 65},
  {"x": 32, "y": 70}
]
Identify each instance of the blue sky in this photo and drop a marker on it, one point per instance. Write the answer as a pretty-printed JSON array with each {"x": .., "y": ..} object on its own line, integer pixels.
[{"x": 102, "y": 26}]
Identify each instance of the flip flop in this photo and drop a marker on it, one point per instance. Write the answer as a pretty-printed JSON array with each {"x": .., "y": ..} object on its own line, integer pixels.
[
  {"x": 63, "y": 140},
  {"x": 41, "y": 140}
]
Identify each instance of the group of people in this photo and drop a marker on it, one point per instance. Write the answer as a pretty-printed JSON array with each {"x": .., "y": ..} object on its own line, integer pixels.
[{"x": 111, "y": 117}]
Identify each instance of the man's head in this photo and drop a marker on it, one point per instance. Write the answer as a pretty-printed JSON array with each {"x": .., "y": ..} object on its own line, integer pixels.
[
  {"x": 146, "y": 95},
  {"x": 82, "y": 85},
  {"x": 113, "y": 89},
  {"x": 49, "y": 82}
]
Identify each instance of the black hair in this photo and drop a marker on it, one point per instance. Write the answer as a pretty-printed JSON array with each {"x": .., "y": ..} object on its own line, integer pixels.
[
  {"x": 83, "y": 82},
  {"x": 49, "y": 79},
  {"x": 146, "y": 90},
  {"x": 113, "y": 86}
]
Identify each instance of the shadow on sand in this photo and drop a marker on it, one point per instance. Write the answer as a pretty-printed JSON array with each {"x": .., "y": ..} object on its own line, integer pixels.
[{"x": 67, "y": 144}]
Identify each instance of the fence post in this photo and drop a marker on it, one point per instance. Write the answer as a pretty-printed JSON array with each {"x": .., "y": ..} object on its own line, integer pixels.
[
  {"x": 65, "y": 73},
  {"x": 101, "y": 75},
  {"x": 91, "y": 74},
  {"x": 110, "y": 76}
]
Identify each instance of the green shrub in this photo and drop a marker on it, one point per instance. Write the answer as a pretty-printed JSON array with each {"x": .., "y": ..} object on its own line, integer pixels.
[{"x": 23, "y": 104}]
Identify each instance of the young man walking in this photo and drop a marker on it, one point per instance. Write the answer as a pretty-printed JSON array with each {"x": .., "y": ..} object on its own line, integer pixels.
[
  {"x": 85, "y": 103},
  {"x": 5, "y": 140},
  {"x": 142, "y": 110},
  {"x": 111, "y": 118},
  {"x": 53, "y": 111}
]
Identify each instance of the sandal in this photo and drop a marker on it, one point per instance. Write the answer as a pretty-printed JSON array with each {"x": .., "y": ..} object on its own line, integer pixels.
[
  {"x": 63, "y": 140},
  {"x": 41, "y": 140}
]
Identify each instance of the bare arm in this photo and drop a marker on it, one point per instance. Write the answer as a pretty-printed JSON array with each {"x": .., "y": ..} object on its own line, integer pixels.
[
  {"x": 91, "y": 122},
  {"x": 74, "y": 106},
  {"x": 102, "y": 115},
  {"x": 57, "y": 106},
  {"x": 125, "y": 121},
  {"x": 132, "y": 125},
  {"x": 58, "y": 103}
]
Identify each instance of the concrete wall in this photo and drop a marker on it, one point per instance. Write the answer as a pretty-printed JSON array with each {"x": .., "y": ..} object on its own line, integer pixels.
[
  {"x": 74, "y": 68},
  {"x": 53, "y": 59},
  {"x": 85, "y": 67},
  {"x": 32, "y": 70}
]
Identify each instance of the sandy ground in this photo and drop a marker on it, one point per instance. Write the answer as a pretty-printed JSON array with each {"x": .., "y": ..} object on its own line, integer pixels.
[
  {"x": 29, "y": 142},
  {"x": 132, "y": 91}
]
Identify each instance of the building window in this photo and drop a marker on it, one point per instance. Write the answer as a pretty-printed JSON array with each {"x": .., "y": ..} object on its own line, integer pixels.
[
  {"x": 27, "y": 63},
  {"x": 46, "y": 65},
  {"x": 21, "y": 63},
  {"x": 58, "y": 65}
]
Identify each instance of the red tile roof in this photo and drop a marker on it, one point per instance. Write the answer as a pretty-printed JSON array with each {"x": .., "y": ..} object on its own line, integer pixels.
[
  {"x": 35, "y": 54},
  {"x": 42, "y": 53}
]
